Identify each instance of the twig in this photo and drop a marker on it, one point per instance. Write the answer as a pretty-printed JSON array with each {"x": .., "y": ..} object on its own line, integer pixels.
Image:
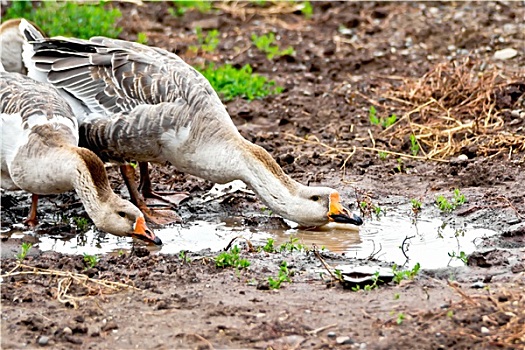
[{"x": 320, "y": 329}]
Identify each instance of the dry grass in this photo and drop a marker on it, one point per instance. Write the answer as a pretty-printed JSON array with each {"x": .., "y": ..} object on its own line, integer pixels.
[{"x": 457, "y": 106}]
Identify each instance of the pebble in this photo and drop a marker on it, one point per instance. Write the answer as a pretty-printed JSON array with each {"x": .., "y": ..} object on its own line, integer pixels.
[
  {"x": 505, "y": 54},
  {"x": 343, "y": 340},
  {"x": 331, "y": 335},
  {"x": 478, "y": 285},
  {"x": 67, "y": 331},
  {"x": 111, "y": 325},
  {"x": 462, "y": 157},
  {"x": 485, "y": 330},
  {"x": 43, "y": 340}
]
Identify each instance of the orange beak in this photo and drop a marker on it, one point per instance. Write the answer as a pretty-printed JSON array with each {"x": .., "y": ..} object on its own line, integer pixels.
[
  {"x": 141, "y": 231},
  {"x": 338, "y": 213}
]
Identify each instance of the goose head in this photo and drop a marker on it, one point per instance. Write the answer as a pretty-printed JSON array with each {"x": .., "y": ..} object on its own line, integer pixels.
[
  {"x": 317, "y": 206},
  {"x": 121, "y": 218}
]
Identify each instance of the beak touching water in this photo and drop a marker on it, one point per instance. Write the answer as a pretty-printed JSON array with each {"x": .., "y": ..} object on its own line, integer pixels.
[
  {"x": 141, "y": 231},
  {"x": 338, "y": 213}
]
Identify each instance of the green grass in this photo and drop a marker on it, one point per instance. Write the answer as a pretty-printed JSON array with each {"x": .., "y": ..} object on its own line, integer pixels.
[
  {"x": 68, "y": 18},
  {"x": 231, "y": 259},
  {"x": 307, "y": 9},
  {"x": 180, "y": 7},
  {"x": 269, "y": 247},
  {"x": 384, "y": 122},
  {"x": 291, "y": 245},
  {"x": 208, "y": 41},
  {"x": 81, "y": 223},
  {"x": 90, "y": 260},
  {"x": 230, "y": 82},
  {"x": 414, "y": 145},
  {"x": 400, "y": 275},
  {"x": 265, "y": 44},
  {"x": 283, "y": 276},
  {"x": 369, "y": 287},
  {"x": 142, "y": 38},
  {"x": 24, "y": 249},
  {"x": 445, "y": 205},
  {"x": 461, "y": 256},
  {"x": 416, "y": 204}
]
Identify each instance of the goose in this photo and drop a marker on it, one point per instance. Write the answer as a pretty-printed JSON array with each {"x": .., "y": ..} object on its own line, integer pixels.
[
  {"x": 11, "y": 41},
  {"x": 142, "y": 103},
  {"x": 39, "y": 154}
]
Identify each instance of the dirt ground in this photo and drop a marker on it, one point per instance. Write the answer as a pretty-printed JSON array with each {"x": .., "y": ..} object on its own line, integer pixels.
[{"x": 348, "y": 57}]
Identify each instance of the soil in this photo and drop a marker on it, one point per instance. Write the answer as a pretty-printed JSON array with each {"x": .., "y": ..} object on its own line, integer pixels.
[{"x": 346, "y": 56}]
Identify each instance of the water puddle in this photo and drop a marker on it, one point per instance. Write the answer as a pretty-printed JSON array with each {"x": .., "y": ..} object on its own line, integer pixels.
[{"x": 428, "y": 241}]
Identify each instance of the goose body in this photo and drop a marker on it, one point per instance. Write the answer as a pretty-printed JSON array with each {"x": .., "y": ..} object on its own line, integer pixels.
[
  {"x": 39, "y": 154},
  {"x": 135, "y": 102}
]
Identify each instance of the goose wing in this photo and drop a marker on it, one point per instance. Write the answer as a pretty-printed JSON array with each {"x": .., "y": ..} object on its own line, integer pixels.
[{"x": 108, "y": 76}]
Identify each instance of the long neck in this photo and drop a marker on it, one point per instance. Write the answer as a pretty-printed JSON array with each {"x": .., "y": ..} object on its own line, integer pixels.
[{"x": 91, "y": 182}]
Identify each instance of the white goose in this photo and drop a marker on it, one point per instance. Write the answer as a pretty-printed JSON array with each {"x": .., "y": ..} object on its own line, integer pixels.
[
  {"x": 141, "y": 103},
  {"x": 39, "y": 154}
]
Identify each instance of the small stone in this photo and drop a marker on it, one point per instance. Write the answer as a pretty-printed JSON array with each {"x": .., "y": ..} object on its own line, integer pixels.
[
  {"x": 331, "y": 335},
  {"x": 505, "y": 54},
  {"x": 462, "y": 157},
  {"x": 43, "y": 340},
  {"x": 485, "y": 330},
  {"x": 67, "y": 331},
  {"x": 79, "y": 318},
  {"x": 111, "y": 325},
  {"x": 478, "y": 285},
  {"x": 515, "y": 113},
  {"x": 344, "y": 340}
]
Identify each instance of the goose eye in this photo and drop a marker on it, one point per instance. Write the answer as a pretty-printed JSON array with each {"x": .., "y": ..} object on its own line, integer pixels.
[
  {"x": 121, "y": 214},
  {"x": 314, "y": 198}
]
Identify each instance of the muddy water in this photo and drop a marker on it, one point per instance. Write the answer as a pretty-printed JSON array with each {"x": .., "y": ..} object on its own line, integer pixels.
[{"x": 425, "y": 240}]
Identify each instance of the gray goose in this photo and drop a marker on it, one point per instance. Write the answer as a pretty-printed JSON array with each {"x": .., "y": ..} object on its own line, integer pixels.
[
  {"x": 135, "y": 102},
  {"x": 39, "y": 154}
]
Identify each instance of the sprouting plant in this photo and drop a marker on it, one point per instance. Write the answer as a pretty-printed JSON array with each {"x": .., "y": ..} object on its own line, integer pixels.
[
  {"x": 230, "y": 82},
  {"x": 81, "y": 223},
  {"x": 384, "y": 122},
  {"x": 307, "y": 9},
  {"x": 445, "y": 205},
  {"x": 367, "y": 208},
  {"x": 416, "y": 205},
  {"x": 400, "y": 165},
  {"x": 24, "y": 249},
  {"x": 461, "y": 256},
  {"x": 400, "y": 275},
  {"x": 121, "y": 252},
  {"x": 400, "y": 318},
  {"x": 269, "y": 246},
  {"x": 397, "y": 296},
  {"x": 265, "y": 44},
  {"x": 450, "y": 313},
  {"x": 283, "y": 276},
  {"x": 414, "y": 145},
  {"x": 208, "y": 42},
  {"x": 183, "y": 255},
  {"x": 69, "y": 18},
  {"x": 181, "y": 6},
  {"x": 267, "y": 211},
  {"x": 232, "y": 258},
  {"x": 382, "y": 155},
  {"x": 142, "y": 38},
  {"x": 90, "y": 260},
  {"x": 291, "y": 245}
]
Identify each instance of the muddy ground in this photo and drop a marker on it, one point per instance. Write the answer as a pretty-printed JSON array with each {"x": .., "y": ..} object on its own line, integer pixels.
[{"x": 347, "y": 57}]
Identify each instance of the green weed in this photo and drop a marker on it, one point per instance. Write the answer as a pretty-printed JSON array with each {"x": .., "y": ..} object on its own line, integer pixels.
[
  {"x": 90, "y": 260},
  {"x": 181, "y": 6},
  {"x": 400, "y": 167},
  {"x": 24, "y": 249},
  {"x": 142, "y": 38},
  {"x": 232, "y": 258},
  {"x": 416, "y": 205},
  {"x": 269, "y": 246},
  {"x": 414, "y": 145},
  {"x": 400, "y": 318},
  {"x": 81, "y": 223},
  {"x": 208, "y": 42},
  {"x": 382, "y": 155},
  {"x": 265, "y": 44},
  {"x": 369, "y": 287},
  {"x": 291, "y": 245},
  {"x": 230, "y": 82},
  {"x": 384, "y": 122},
  {"x": 183, "y": 255},
  {"x": 283, "y": 276},
  {"x": 400, "y": 275},
  {"x": 68, "y": 18},
  {"x": 307, "y": 9},
  {"x": 461, "y": 256},
  {"x": 445, "y": 205}
]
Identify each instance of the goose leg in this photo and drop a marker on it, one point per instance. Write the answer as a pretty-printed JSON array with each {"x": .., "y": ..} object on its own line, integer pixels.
[
  {"x": 159, "y": 217},
  {"x": 173, "y": 198},
  {"x": 31, "y": 220}
]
